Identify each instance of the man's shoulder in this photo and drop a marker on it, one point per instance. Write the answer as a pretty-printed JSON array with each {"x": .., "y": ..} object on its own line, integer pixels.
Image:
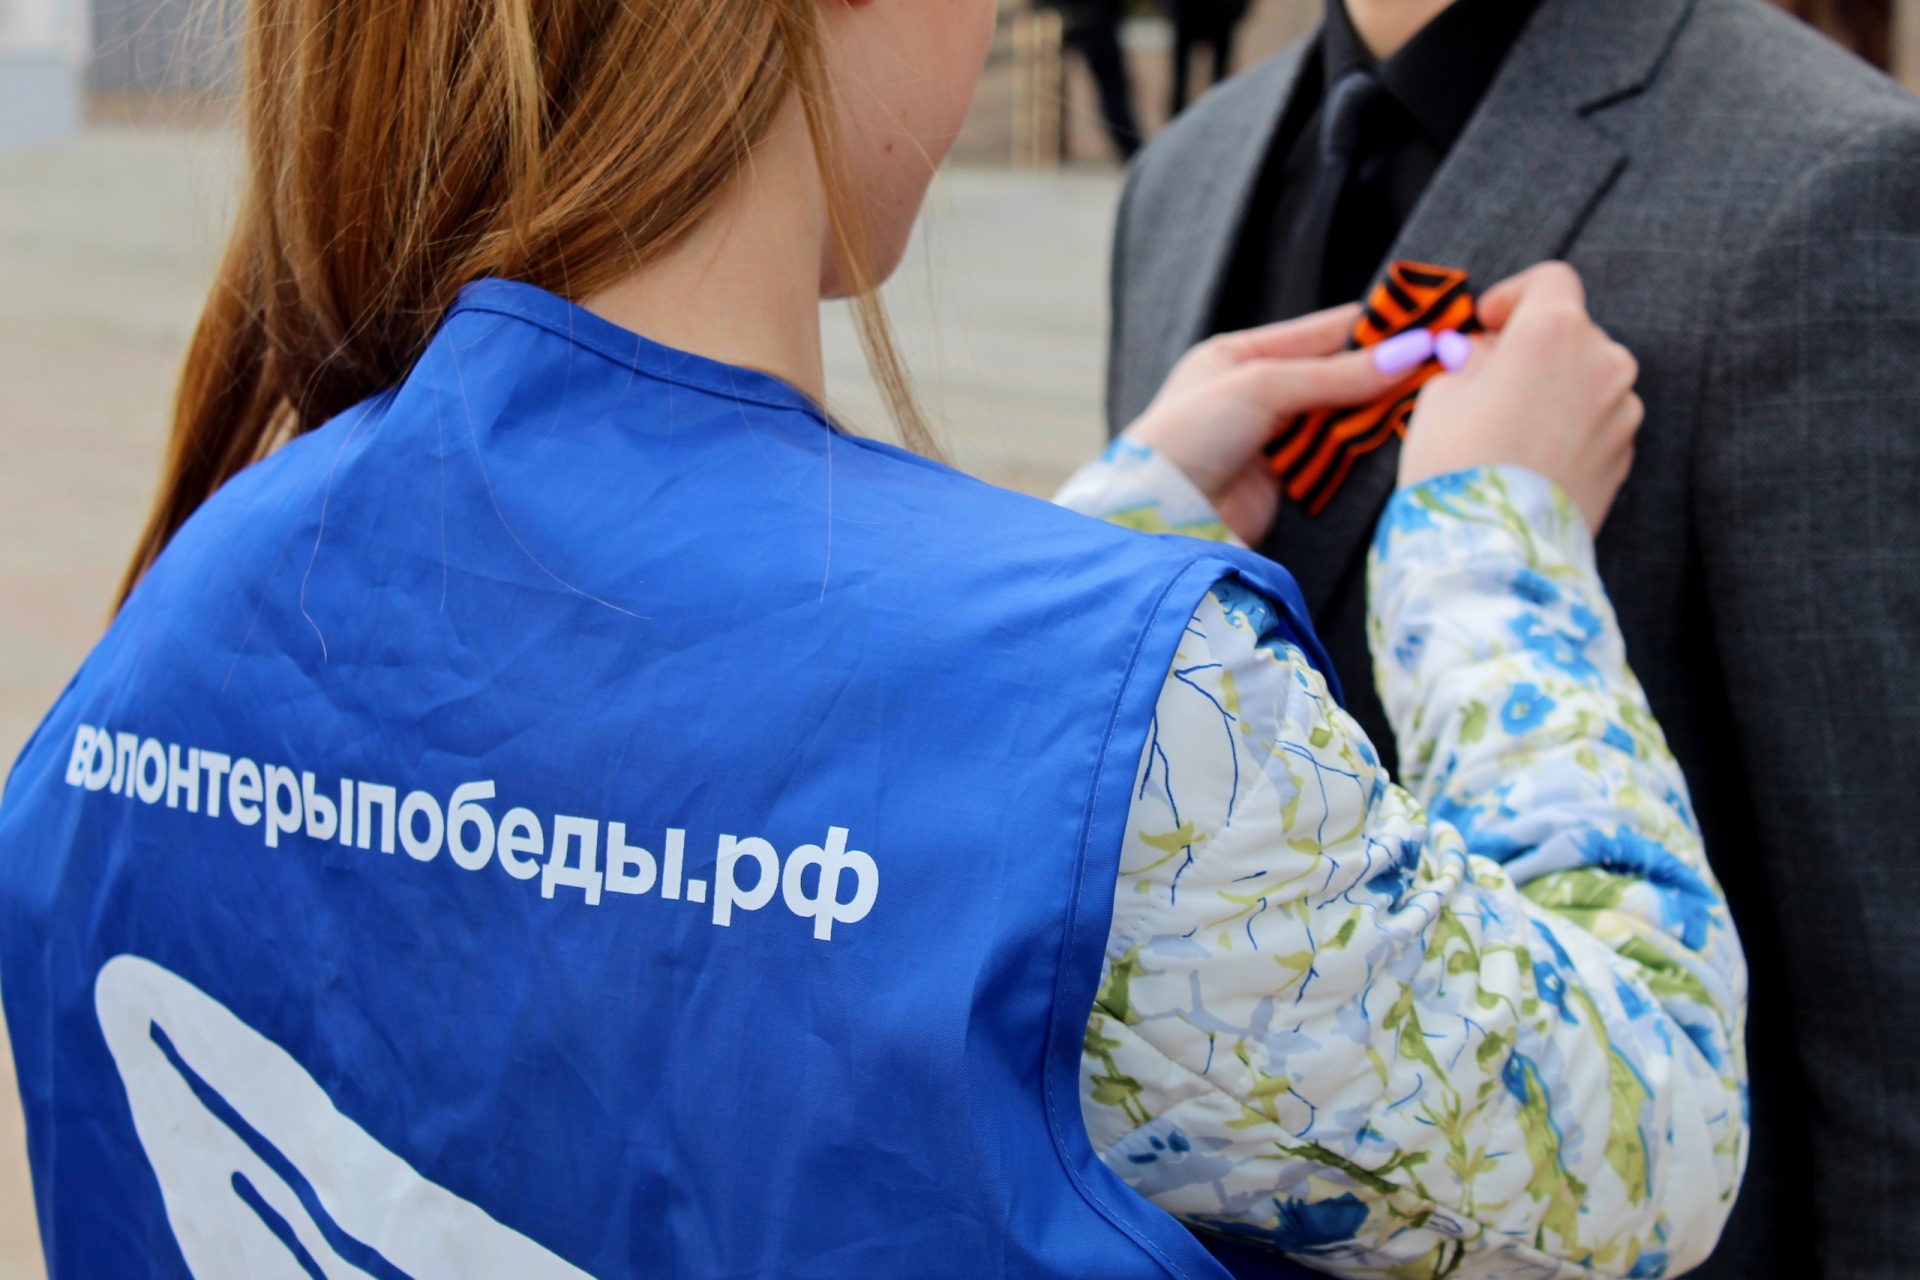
[{"x": 1747, "y": 65}]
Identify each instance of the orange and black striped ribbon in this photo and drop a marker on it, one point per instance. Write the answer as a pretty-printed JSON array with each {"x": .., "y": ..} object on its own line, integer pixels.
[{"x": 1314, "y": 452}]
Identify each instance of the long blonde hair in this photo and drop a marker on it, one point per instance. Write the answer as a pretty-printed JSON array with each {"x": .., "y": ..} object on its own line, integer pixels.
[{"x": 398, "y": 149}]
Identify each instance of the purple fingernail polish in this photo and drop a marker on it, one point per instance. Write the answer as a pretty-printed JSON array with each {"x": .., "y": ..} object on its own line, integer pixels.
[
  {"x": 1453, "y": 350},
  {"x": 1403, "y": 351}
]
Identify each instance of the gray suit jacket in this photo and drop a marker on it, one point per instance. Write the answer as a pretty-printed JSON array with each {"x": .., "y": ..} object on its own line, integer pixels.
[{"x": 1743, "y": 201}]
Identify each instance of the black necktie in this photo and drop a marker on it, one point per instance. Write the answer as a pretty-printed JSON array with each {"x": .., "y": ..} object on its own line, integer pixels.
[{"x": 1340, "y": 114}]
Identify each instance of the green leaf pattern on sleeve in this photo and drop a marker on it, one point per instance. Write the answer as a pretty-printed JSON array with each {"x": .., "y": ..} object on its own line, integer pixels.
[
  {"x": 1488, "y": 1026},
  {"x": 1134, "y": 486}
]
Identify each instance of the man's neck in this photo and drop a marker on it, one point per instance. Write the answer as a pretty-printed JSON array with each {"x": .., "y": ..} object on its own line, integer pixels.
[{"x": 1385, "y": 25}]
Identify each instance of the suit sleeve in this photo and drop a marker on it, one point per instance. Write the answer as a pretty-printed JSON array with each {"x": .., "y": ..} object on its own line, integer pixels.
[{"x": 1807, "y": 501}]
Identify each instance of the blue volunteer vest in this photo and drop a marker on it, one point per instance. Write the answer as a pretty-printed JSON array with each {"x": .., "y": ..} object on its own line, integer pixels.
[{"x": 578, "y": 814}]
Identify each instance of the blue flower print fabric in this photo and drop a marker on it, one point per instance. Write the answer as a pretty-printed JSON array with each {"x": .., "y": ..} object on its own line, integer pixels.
[{"x": 1486, "y": 1022}]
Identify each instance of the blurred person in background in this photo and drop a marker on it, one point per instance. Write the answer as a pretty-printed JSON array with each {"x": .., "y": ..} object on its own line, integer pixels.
[
  {"x": 1212, "y": 23},
  {"x": 1091, "y": 28},
  {"x": 1864, "y": 26},
  {"x": 1743, "y": 200},
  {"x": 551, "y": 802}
]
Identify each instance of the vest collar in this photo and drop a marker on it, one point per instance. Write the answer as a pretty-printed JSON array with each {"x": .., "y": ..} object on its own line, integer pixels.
[{"x": 533, "y": 305}]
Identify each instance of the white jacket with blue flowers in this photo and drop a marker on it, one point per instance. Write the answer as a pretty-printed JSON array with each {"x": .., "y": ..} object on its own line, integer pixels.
[{"x": 1490, "y": 1024}]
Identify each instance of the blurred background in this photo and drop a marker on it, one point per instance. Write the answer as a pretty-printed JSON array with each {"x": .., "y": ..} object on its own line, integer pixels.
[{"x": 117, "y": 167}]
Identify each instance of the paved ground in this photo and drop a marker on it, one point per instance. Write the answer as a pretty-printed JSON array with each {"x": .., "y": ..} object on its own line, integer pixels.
[{"x": 105, "y": 250}]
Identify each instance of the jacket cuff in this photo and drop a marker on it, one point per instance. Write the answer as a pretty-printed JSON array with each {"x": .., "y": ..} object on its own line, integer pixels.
[
  {"x": 1479, "y": 512},
  {"x": 1136, "y": 487}
]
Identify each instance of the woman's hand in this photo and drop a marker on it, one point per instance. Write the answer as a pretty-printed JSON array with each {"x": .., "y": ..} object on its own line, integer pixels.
[
  {"x": 1548, "y": 391},
  {"x": 1229, "y": 395}
]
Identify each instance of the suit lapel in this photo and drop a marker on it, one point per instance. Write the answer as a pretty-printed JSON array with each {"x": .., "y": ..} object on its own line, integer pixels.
[
  {"x": 1534, "y": 160},
  {"x": 1514, "y": 190},
  {"x": 1190, "y": 280}
]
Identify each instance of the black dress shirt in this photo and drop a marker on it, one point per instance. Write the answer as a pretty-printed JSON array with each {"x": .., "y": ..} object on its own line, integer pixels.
[{"x": 1431, "y": 87}]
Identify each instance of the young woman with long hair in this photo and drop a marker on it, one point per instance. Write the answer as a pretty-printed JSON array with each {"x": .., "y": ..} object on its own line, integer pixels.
[{"x": 553, "y": 803}]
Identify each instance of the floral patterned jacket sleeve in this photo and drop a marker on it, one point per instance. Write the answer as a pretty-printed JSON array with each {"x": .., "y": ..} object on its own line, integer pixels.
[{"x": 1488, "y": 1024}]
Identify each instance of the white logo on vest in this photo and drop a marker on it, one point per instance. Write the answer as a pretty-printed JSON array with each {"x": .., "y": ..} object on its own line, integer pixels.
[
  {"x": 263, "y": 1178},
  {"x": 284, "y": 802}
]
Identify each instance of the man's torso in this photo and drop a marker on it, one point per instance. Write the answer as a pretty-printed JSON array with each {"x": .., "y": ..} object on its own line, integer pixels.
[{"x": 1650, "y": 146}]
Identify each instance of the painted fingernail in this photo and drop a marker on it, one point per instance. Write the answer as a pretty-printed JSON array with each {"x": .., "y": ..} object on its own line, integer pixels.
[
  {"x": 1453, "y": 350},
  {"x": 1403, "y": 351}
]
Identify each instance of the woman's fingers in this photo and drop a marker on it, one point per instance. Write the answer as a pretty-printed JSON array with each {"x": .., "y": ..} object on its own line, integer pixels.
[
  {"x": 1623, "y": 425},
  {"x": 1288, "y": 387},
  {"x": 1496, "y": 304},
  {"x": 1319, "y": 334},
  {"x": 1546, "y": 282},
  {"x": 1212, "y": 422},
  {"x": 1548, "y": 391},
  {"x": 1635, "y": 417}
]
